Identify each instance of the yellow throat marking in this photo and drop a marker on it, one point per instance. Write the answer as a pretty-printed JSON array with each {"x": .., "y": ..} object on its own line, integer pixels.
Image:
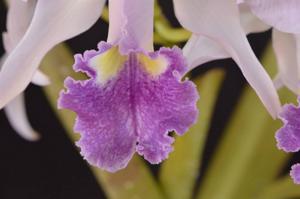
[
  {"x": 108, "y": 64},
  {"x": 154, "y": 66}
]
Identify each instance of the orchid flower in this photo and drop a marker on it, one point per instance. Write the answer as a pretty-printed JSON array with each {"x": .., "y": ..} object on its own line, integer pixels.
[
  {"x": 134, "y": 96},
  {"x": 226, "y": 36},
  {"x": 284, "y": 16}
]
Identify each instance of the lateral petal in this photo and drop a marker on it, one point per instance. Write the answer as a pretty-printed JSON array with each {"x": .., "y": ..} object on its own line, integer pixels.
[
  {"x": 53, "y": 22},
  {"x": 202, "y": 18},
  {"x": 16, "y": 115}
]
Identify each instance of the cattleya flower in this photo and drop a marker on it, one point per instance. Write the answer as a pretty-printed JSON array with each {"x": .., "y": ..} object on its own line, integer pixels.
[{"x": 134, "y": 96}]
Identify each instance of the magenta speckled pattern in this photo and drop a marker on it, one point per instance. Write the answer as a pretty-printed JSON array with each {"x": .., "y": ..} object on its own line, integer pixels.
[
  {"x": 288, "y": 136},
  {"x": 133, "y": 112}
]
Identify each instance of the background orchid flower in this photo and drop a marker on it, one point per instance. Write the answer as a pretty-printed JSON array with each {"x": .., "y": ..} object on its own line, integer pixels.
[
  {"x": 134, "y": 96},
  {"x": 53, "y": 22},
  {"x": 284, "y": 17},
  {"x": 203, "y": 19}
]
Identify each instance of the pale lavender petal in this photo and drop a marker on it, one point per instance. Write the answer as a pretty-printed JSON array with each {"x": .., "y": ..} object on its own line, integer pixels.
[
  {"x": 131, "y": 24},
  {"x": 288, "y": 136},
  {"x": 250, "y": 22},
  {"x": 202, "y": 17},
  {"x": 200, "y": 49},
  {"x": 281, "y": 14},
  {"x": 19, "y": 17},
  {"x": 132, "y": 110},
  {"x": 40, "y": 79},
  {"x": 287, "y": 54},
  {"x": 53, "y": 22},
  {"x": 16, "y": 115},
  {"x": 295, "y": 173}
]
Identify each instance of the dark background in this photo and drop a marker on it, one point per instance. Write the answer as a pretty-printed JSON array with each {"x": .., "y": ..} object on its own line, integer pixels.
[{"x": 52, "y": 168}]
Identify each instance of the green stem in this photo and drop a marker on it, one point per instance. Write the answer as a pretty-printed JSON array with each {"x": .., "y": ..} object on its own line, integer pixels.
[
  {"x": 134, "y": 182},
  {"x": 180, "y": 170}
]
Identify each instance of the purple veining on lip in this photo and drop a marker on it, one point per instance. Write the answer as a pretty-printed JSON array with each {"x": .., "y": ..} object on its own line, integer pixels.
[{"x": 134, "y": 111}]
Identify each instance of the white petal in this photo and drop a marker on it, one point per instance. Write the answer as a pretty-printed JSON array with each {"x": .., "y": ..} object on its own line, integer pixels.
[
  {"x": 278, "y": 82},
  {"x": 19, "y": 17},
  {"x": 284, "y": 15},
  {"x": 16, "y": 114},
  {"x": 40, "y": 79},
  {"x": 202, "y": 17},
  {"x": 250, "y": 23},
  {"x": 131, "y": 24},
  {"x": 200, "y": 49},
  {"x": 53, "y": 22},
  {"x": 285, "y": 48}
]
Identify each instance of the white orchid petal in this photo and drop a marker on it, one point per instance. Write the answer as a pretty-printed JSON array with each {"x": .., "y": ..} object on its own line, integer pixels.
[
  {"x": 53, "y": 22},
  {"x": 281, "y": 14},
  {"x": 40, "y": 79},
  {"x": 250, "y": 23},
  {"x": 278, "y": 82},
  {"x": 200, "y": 49},
  {"x": 19, "y": 16},
  {"x": 16, "y": 114},
  {"x": 131, "y": 24},
  {"x": 285, "y": 48},
  {"x": 202, "y": 17}
]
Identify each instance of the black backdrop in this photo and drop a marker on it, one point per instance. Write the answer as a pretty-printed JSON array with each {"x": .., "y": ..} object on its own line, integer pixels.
[{"x": 52, "y": 168}]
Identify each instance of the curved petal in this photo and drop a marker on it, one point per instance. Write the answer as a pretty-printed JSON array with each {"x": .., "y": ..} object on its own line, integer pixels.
[
  {"x": 40, "y": 79},
  {"x": 131, "y": 24},
  {"x": 250, "y": 23},
  {"x": 200, "y": 49},
  {"x": 19, "y": 17},
  {"x": 53, "y": 22},
  {"x": 281, "y": 14},
  {"x": 285, "y": 48},
  {"x": 16, "y": 115},
  {"x": 202, "y": 18}
]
